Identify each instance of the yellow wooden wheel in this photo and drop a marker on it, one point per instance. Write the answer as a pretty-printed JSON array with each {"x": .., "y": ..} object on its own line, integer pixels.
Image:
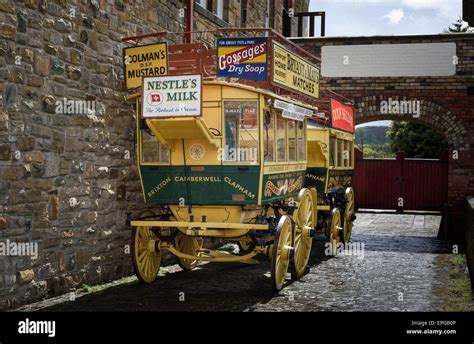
[
  {"x": 348, "y": 213},
  {"x": 281, "y": 252},
  {"x": 334, "y": 229},
  {"x": 146, "y": 256},
  {"x": 303, "y": 218},
  {"x": 188, "y": 245},
  {"x": 245, "y": 246}
]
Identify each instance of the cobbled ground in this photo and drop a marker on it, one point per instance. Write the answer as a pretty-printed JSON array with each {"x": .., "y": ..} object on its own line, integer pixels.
[{"x": 404, "y": 267}]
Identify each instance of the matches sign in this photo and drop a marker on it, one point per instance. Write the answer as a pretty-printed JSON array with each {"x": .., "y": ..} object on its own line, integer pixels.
[{"x": 172, "y": 96}]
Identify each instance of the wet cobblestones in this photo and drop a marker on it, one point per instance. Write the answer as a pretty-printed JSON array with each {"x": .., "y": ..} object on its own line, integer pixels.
[{"x": 404, "y": 268}]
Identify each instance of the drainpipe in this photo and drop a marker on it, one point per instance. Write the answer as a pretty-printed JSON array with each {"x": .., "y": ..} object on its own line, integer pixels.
[{"x": 189, "y": 21}]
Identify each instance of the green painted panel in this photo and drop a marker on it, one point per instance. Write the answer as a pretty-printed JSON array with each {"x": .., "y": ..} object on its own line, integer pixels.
[
  {"x": 340, "y": 178},
  {"x": 278, "y": 186},
  {"x": 201, "y": 184},
  {"x": 316, "y": 178}
]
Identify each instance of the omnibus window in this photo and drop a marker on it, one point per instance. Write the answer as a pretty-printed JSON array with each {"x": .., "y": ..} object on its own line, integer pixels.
[
  {"x": 332, "y": 151},
  {"x": 241, "y": 131},
  {"x": 291, "y": 140},
  {"x": 300, "y": 132},
  {"x": 346, "y": 153},
  {"x": 339, "y": 152},
  {"x": 152, "y": 149},
  {"x": 281, "y": 138},
  {"x": 269, "y": 136},
  {"x": 351, "y": 151}
]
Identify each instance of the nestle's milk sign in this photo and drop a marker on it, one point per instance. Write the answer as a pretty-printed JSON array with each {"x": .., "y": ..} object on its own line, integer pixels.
[
  {"x": 243, "y": 58},
  {"x": 171, "y": 96}
]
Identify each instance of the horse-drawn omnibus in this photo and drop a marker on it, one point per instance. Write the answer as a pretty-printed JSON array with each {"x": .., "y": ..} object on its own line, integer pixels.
[{"x": 239, "y": 161}]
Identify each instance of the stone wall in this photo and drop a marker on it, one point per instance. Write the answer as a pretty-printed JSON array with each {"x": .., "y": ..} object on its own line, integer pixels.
[
  {"x": 469, "y": 226},
  {"x": 445, "y": 105},
  {"x": 67, "y": 181}
]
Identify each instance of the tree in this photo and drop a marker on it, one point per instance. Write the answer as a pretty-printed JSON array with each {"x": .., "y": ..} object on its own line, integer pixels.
[
  {"x": 459, "y": 26},
  {"x": 416, "y": 140}
]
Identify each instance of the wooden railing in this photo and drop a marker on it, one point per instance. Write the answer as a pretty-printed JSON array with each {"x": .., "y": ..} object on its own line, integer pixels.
[
  {"x": 300, "y": 17},
  {"x": 312, "y": 18}
]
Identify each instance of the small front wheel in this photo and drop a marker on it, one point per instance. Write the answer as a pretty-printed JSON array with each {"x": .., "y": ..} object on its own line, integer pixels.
[
  {"x": 188, "y": 245},
  {"x": 348, "y": 216},
  {"x": 146, "y": 256},
  {"x": 334, "y": 229}
]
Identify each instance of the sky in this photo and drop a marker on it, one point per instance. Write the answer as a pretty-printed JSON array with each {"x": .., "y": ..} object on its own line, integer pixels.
[{"x": 386, "y": 17}]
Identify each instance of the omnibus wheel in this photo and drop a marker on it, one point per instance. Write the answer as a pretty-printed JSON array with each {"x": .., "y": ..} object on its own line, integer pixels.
[
  {"x": 188, "y": 245},
  {"x": 146, "y": 257},
  {"x": 348, "y": 214},
  {"x": 281, "y": 253},
  {"x": 245, "y": 246},
  {"x": 334, "y": 229},
  {"x": 302, "y": 239}
]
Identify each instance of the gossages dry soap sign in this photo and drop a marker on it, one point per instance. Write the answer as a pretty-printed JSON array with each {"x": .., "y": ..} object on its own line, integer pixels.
[
  {"x": 144, "y": 61},
  {"x": 243, "y": 58},
  {"x": 171, "y": 96},
  {"x": 342, "y": 116}
]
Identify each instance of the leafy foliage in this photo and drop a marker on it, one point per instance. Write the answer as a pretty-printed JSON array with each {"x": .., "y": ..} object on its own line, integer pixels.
[
  {"x": 376, "y": 150},
  {"x": 416, "y": 140},
  {"x": 371, "y": 135},
  {"x": 459, "y": 26}
]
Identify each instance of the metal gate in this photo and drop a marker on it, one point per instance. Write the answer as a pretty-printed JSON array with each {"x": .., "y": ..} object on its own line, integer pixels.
[{"x": 400, "y": 183}]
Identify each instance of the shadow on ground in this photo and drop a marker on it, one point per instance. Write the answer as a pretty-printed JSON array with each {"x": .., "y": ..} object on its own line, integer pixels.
[{"x": 210, "y": 287}]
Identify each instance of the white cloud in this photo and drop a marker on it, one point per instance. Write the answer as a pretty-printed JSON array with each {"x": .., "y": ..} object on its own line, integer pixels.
[
  {"x": 394, "y": 16},
  {"x": 446, "y": 8},
  {"x": 418, "y": 4}
]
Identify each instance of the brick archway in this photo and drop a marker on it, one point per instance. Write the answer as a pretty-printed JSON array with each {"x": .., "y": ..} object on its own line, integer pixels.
[
  {"x": 368, "y": 109},
  {"x": 445, "y": 98}
]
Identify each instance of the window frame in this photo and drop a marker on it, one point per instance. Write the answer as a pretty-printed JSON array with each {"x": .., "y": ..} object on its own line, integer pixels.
[
  {"x": 215, "y": 7},
  {"x": 350, "y": 147},
  {"x": 265, "y": 138},
  {"x": 259, "y": 153},
  {"x": 140, "y": 142},
  {"x": 279, "y": 114},
  {"x": 294, "y": 122}
]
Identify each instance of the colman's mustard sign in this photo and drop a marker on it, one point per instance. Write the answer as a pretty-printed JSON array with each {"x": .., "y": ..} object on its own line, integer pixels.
[
  {"x": 144, "y": 61},
  {"x": 293, "y": 72}
]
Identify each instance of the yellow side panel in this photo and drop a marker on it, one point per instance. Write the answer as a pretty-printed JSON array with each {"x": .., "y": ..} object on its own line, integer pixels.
[
  {"x": 237, "y": 93},
  {"x": 198, "y": 152},
  {"x": 211, "y": 93},
  {"x": 318, "y": 147},
  {"x": 342, "y": 135},
  {"x": 212, "y": 118}
]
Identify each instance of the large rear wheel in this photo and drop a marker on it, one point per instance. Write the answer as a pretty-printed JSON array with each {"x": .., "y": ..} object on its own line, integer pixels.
[
  {"x": 303, "y": 218},
  {"x": 281, "y": 253}
]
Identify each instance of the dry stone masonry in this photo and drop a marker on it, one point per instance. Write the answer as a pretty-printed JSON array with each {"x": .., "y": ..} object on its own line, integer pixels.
[{"x": 67, "y": 171}]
